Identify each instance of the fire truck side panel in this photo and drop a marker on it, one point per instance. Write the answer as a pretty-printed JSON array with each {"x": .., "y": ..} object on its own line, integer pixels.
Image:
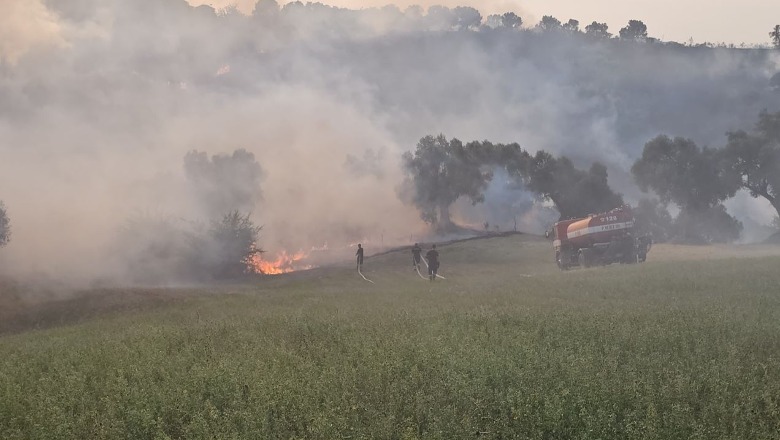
[
  {"x": 601, "y": 228},
  {"x": 599, "y": 239}
]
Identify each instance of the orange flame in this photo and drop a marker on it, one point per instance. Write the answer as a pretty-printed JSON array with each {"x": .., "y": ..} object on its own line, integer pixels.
[{"x": 283, "y": 263}]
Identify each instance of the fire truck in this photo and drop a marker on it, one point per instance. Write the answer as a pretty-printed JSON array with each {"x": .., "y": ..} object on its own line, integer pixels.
[{"x": 599, "y": 239}]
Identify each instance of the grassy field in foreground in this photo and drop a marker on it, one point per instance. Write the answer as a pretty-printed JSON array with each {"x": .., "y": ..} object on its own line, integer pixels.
[{"x": 680, "y": 347}]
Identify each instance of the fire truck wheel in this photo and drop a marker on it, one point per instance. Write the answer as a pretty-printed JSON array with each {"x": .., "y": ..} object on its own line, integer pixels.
[
  {"x": 584, "y": 258},
  {"x": 559, "y": 261}
]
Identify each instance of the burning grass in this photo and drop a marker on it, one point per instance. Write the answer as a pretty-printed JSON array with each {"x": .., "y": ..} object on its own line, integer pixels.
[
  {"x": 280, "y": 264},
  {"x": 670, "y": 349}
]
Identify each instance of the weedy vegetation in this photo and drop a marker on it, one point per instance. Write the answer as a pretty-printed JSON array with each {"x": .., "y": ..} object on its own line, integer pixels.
[{"x": 679, "y": 347}]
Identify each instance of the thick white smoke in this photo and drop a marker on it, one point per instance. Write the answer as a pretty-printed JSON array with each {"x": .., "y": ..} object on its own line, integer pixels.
[{"x": 27, "y": 25}]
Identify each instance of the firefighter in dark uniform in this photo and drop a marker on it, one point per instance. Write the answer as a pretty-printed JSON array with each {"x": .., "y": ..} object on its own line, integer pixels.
[
  {"x": 416, "y": 256},
  {"x": 433, "y": 262},
  {"x": 359, "y": 255}
]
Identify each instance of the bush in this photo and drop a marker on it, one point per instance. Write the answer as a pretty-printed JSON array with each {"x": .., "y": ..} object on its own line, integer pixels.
[
  {"x": 153, "y": 250},
  {"x": 706, "y": 226},
  {"x": 232, "y": 241}
]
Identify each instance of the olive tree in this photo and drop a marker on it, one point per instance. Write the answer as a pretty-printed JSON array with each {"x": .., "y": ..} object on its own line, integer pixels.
[{"x": 438, "y": 173}]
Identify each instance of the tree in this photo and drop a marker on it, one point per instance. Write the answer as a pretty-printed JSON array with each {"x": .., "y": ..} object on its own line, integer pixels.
[
  {"x": 266, "y": 11},
  {"x": 5, "y": 226},
  {"x": 155, "y": 249},
  {"x": 697, "y": 180},
  {"x": 636, "y": 30},
  {"x": 224, "y": 183},
  {"x": 599, "y": 30},
  {"x": 493, "y": 21},
  {"x": 549, "y": 23},
  {"x": 575, "y": 193},
  {"x": 510, "y": 20},
  {"x": 754, "y": 158},
  {"x": 572, "y": 25},
  {"x": 233, "y": 241},
  {"x": 466, "y": 17},
  {"x": 678, "y": 171},
  {"x": 438, "y": 173},
  {"x": 775, "y": 35}
]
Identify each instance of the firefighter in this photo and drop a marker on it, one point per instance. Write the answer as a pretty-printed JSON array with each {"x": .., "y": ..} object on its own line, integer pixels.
[
  {"x": 416, "y": 256},
  {"x": 433, "y": 262},
  {"x": 359, "y": 255}
]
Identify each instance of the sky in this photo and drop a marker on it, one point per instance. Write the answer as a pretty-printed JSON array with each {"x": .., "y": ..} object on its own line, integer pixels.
[{"x": 729, "y": 21}]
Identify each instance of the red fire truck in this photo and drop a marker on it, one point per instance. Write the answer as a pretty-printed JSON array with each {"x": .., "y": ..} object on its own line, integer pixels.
[{"x": 599, "y": 239}]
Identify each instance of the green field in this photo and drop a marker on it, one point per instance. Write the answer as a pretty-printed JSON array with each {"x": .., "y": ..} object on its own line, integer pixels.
[{"x": 684, "y": 346}]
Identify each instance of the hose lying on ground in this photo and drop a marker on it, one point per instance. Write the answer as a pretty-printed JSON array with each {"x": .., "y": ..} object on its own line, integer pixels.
[
  {"x": 417, "y": 268},
  {"x": 426, "y": 265},
  {"x": 364, "y": 277}
]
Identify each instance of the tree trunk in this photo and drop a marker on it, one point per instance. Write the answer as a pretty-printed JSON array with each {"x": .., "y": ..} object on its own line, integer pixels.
[
  {"x": 774, "y": 201},
  {"x": 445, "y": 221},
  {"x": 775, "y": 204}
]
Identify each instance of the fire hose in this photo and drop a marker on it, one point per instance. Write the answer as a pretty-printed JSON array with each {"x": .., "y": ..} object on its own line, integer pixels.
[
  {"x": 426, "y": 265},
  {"x": 364, "y": 277},
  {"x": 417, "y": 268}
]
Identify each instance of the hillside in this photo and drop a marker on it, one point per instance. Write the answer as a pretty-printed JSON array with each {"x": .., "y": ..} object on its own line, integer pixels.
[{"x": 507, "y": 346}]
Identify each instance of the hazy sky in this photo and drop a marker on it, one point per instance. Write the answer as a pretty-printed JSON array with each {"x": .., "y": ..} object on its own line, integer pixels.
[{"x": 730, "y": 21}]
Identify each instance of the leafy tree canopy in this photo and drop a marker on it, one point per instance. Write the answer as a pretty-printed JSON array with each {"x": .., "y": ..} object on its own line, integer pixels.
[
  {"x": 233, "y": 240},
  {"x": 152, "y": 249},
  {"x": 438, "y": 173},
  {"x": 572, "y": 25},
  {"x": 508, "y": 20},
  {"x": 511, "y": 20},
  {"x": 550, "y": 23},
  {"x": 678, "y": 171},
  {"x": 697, "y": 180},
  {"x": 597, "y": 29},
  {"x": 575, "y": 192},
  {"x": 754, "y": 158},
  {"x": 466, "y": 17},
  {"x": 635, "y": 30},
  {"x": 775, "y": 35}
]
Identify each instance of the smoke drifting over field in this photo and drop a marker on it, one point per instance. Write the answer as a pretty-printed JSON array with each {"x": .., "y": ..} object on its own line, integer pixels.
[{"x": 101, "y": 100}]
